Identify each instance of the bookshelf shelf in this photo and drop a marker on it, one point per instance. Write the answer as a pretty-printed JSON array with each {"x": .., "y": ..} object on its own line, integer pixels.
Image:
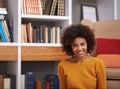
[
  {"x": 8, "y": 44},
  {"x": 42, "y": 44},
  {"x": 8, "y": 53},
  {"x": 45, "y": 17},
  {"x": 30, "y": 53}
]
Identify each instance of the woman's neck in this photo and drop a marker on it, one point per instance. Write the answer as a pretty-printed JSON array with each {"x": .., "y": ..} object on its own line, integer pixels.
[{"x": 76, "y": 59}]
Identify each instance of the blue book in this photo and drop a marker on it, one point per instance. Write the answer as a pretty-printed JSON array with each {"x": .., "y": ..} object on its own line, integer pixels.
[
  {"x": 2, "y": 33},
  {"x": 29, "y": 80}
]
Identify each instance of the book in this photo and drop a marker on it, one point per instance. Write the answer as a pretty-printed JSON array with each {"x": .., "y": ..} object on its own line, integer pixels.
[
  {"x": 22, "y": 81},
  {"x": 38, "y": 84},
  {"x": 1, "y": 82},
  {"x": 32, "y": 7},
  {"x": 37, "y": 34},
  {"x": 46, "y": 34},
  {"x": 2, "y": 16},
  {"x": 3, "y": 10},
  {"x": 43, "y": 4},
  {"x": 10, "y": 28},
  {"x": 34, "y": 34},
  {"x": 61, "y": 8},
  {"x": 7, "y": 82},
  {"x": 52, "y": 81},
  {"x": 1, "y": 3},
  {"x": 23, "y": 33},
  {"x": 41, "y": 33},
  {"x": 53, "y": 7},
  {"x": 29, "y": 30},
  {"x": 47, "y": 7},
  {"x": 61, "y": 33},
  {"x": 4, "y": 24},
  {"x": 57, "y": 35},
  {"x": 29, "y": 80},
  {"x": 2, "y": 33},
  {"x": 53, "y": 34},
  {"x": 12, "y": 80},
  {"x": 49, "y": 35}
]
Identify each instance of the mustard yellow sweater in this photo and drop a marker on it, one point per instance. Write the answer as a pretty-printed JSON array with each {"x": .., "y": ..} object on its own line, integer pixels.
[{"x": 87, "y": 75}]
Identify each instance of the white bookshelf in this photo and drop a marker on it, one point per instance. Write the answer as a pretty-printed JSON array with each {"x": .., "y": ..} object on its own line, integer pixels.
[{"x": 14, "y": 11}]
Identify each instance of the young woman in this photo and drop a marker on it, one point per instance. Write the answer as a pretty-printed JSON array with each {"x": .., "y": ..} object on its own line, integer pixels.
[{"x": 81, "y": 70}]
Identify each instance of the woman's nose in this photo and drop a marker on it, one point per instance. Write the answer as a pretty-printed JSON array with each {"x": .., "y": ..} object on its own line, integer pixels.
[{"x": 79, "y": 47}]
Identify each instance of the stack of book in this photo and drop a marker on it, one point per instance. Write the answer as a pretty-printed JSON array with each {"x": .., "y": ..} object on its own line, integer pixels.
[
  {"x": 41, "y": 34},
  {"x": 55, "y": 7},
  {"x": 3, "y": 12},
  {"x": 33, "y": 7},
  {"x": 4, "y": 33},
  {"x": 6, "y": 27},
  {"x": 45, "y": 7},
  {"x": 50, "y": 81}
]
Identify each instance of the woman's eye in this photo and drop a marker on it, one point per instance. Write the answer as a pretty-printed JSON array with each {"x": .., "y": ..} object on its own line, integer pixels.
[
  {"x": 74, "y": 45},
  {"x": 82, "y": 44}
]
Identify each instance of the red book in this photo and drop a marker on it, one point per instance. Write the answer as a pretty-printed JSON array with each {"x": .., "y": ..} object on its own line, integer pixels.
[
  {"x": 38, "y": 84},
  {"x": 1, "y": 82}
]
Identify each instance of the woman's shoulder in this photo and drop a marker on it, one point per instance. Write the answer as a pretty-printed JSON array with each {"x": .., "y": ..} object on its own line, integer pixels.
[
  {"x": 64, "y": 62},
  {"x": 98, "y": 61}
]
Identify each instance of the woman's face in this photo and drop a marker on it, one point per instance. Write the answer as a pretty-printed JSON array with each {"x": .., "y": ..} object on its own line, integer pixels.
[{"x": 79, "y": 47}]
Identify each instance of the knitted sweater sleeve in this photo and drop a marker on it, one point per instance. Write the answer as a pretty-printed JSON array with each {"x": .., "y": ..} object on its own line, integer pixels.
[
  {"x": 62, "y": 78},
  {"x": 101, "y": 75}
]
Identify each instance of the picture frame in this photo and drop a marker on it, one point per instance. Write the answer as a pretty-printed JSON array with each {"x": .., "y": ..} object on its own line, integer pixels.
[{"x": 89, "y": 12}]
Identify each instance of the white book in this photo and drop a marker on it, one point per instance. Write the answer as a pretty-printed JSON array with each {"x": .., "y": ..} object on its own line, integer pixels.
[
  {"x": 22, "y": 81},
  {"x": 3, "y": 11},
  {"x": 7, "y": 83}
]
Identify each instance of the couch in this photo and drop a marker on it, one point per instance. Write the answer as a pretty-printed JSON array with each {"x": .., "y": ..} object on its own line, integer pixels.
[{"x": 107, "y": 35}]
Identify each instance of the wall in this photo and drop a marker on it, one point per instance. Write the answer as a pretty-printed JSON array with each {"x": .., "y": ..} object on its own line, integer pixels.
[
  {"x": 118, "y": 9},
  {"x": 76, "y": 9},
  {"x": 105, "y": 9}
]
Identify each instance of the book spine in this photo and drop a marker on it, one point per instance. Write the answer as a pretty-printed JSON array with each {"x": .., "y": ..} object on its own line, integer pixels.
[
  {"x": 12, "y": 80},
  {"x": 1, "y": 82},
  {"x": 29, "y": 80},
  {"x": 37, "y": 34},
  {"x": 1, "y": 3},
  {"x": 47, "y": 7},
  {"x": 2, "y": 32},
  {"x": 53, "y": 7},
  {"x": 24, "y": 33},
  {"x": 57, "y": 35},
  {"x": 10, "y": 28},
  {"x": 7, "y": 83},
  {"x": 4, "y": 23},
  {"x": 46, "y": 35},
  {"x": 38, "y": 84},
  {"x": 22, "y": 81},
  {"x": 61, "y": 8},
  {"x": 34, "y": 34}
]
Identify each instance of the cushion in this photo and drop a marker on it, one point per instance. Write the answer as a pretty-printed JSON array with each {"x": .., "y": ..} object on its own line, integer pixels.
[
  {"x": 110, "y": 60},
  {"x": 113, "y": 84},
  {"x": 113, "y": 73},
  {"x": 108, "y": 46}
]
